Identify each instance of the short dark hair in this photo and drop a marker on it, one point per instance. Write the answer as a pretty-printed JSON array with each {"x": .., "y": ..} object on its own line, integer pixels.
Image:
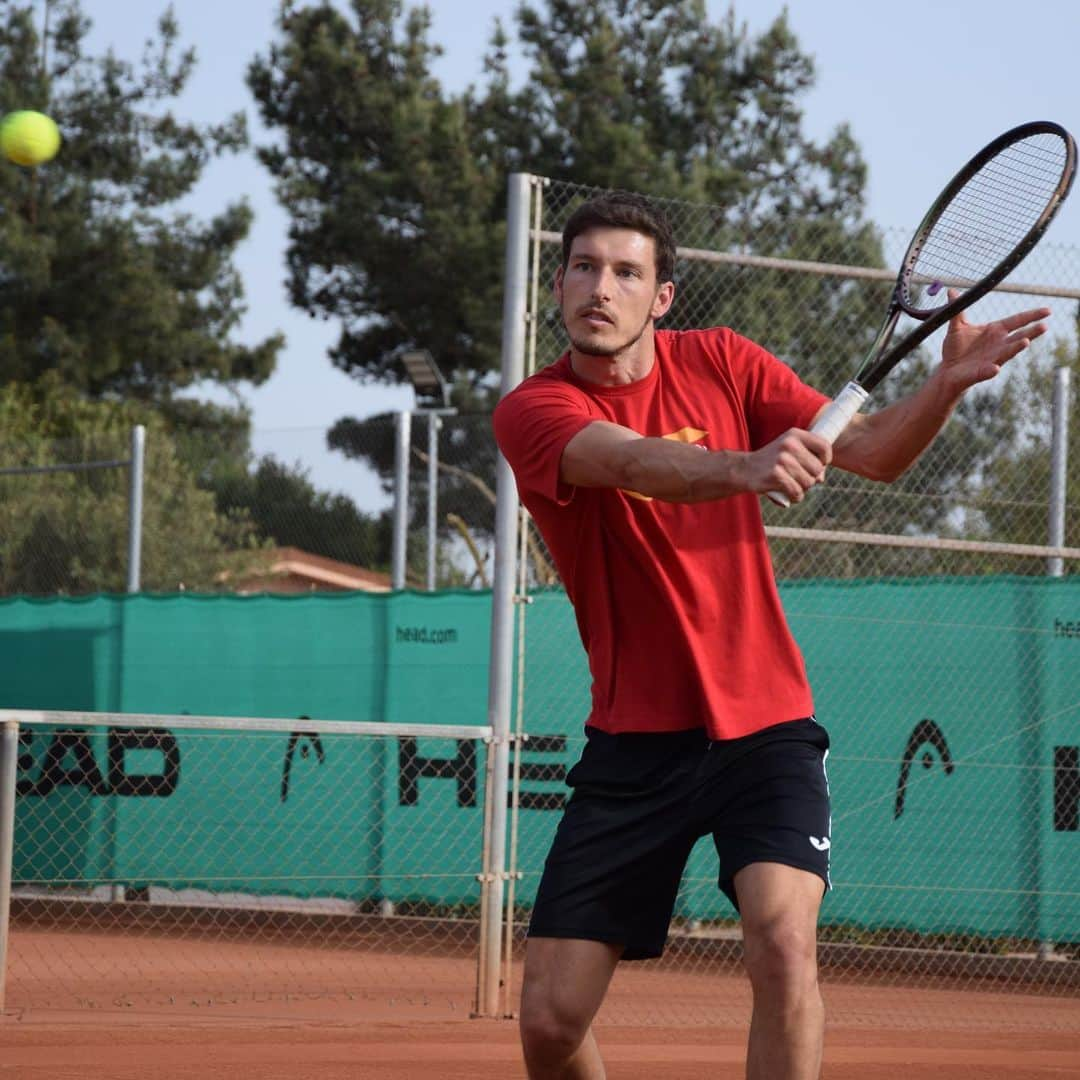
[{"x": 624, "y": 210}]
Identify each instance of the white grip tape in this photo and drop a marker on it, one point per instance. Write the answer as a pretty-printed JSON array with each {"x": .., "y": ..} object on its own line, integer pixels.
[
  {"x": 838, "y": 414},
  {"x": 832, "y": 421}
]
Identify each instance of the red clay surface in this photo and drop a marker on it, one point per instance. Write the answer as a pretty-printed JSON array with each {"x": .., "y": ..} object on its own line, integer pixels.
[
  {"x": 102, "y": 1007},
  {"x": 337, "y": 1040}
]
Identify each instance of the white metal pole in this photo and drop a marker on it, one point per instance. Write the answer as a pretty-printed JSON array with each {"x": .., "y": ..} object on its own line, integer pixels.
[
  {"x": 1059, "y": 469},
  {"x": 1055, "y": 567},
  {"x": 500, "y": 679},
  {"x": 135, "y": 508},
  {"x": 136, "y": 471},
  {"x": 537, "y": 215},
  {"x": 403, "y": 436},
  {"x": 433, "y": 425},
  {"x": 9, "y": 756}
]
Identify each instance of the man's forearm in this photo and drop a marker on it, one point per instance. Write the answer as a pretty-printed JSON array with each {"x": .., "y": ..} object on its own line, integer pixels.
[
  {"x": 606, "y": 455},
  {"x": 884, "y": 444},
  {"x": 679, "y": 472}
]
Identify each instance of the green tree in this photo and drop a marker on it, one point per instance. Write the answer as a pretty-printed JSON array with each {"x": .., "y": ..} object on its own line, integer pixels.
[
  {"x": 106, "y": 283},
  {"x": 285, "y": 508},
  {"x": 397, "y": 190},
  {"x": 114, "y": 293},
  {"x": 466, "y": 492},
  {"x": 65, "y": 531},
  {"x": 1015, "y": 497},
  {"x": 387, "y": 196}
]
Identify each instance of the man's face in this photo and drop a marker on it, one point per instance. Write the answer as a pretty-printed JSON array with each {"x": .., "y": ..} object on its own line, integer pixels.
[{"x": 608, "y": 291}]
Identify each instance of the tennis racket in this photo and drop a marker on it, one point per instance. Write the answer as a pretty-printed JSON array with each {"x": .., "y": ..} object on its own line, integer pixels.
[{"x": 990, "y": 215}]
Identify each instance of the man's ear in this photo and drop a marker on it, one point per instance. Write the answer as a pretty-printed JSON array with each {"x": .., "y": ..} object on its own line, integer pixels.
[
  {"x": 556, "y": 286},
  {"x": 665, "y": 297}
]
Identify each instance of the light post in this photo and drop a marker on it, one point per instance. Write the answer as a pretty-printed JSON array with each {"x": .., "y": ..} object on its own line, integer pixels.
[{"x": 432, "y": 401}]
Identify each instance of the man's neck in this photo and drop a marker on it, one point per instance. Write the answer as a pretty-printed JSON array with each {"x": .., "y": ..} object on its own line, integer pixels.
[{"x": 626, "y": 366}]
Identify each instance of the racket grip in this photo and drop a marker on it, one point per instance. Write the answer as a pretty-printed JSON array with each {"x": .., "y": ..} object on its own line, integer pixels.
[
  {"x": 831, "y": 422},
  {"x": 838, "y": 414}
]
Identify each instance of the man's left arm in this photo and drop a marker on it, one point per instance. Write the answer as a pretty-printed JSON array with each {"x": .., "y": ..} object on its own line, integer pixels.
[{"x": 884, "y": 444}]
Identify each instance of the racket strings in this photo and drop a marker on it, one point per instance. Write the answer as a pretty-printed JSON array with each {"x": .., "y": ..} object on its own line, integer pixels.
[
  {"x": 981, "y": 227},
  {"x": 988, "y": 218},
  {"x": 980, "y": 252}
]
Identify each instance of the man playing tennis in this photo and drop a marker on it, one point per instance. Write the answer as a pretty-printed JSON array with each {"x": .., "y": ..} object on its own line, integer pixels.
[{"x": 641, "y": 454}]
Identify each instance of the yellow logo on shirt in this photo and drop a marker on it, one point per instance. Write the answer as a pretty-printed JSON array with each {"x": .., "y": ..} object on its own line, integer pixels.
[{"x": 684, "y": 435}]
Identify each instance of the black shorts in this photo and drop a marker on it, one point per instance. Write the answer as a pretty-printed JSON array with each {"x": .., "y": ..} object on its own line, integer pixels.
[{"x": 640, "y": 803}]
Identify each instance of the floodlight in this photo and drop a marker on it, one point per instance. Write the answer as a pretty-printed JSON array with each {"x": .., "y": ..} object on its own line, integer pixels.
[{"x": 425, "y": 375}]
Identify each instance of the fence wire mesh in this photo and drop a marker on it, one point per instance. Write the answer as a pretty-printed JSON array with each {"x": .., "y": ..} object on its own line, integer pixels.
[
  {"x": 228, "y": 513},
  {"x": 940, "y": 653},
  {"x": 986, "y": 478},
  {"x": 64, "y": 515},
  {"x": 947, "y": 676},
  {"x": 165, "y": 864}
]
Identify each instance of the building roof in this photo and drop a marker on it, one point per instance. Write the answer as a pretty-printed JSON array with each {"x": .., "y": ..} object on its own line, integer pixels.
[{"x": 292, "y": 570}]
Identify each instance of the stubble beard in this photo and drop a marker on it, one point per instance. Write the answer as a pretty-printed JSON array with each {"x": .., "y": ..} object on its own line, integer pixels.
[{"x": 588, "y": 347}]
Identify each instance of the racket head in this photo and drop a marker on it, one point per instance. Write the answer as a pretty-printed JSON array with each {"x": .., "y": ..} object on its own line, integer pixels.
[{"x": 987, "y": 218}]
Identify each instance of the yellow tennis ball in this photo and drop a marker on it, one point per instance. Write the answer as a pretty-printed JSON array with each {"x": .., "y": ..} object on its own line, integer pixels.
[{"x": 28, "y": 137}]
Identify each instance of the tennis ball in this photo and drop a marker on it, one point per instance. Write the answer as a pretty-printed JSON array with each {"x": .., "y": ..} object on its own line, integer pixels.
[{"x": 28, "y": 137}]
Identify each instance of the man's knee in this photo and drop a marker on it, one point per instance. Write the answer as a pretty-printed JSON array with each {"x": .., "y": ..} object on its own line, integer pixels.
[
  {"x": 550, "y": 1032},
  {"x": 565, "y": 982},
  {"x": 781, "y": 960},
  {"x": 779, "y": 913}
]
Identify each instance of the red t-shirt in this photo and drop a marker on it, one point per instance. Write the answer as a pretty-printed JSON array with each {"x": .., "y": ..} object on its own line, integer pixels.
[{"x": 676, "y": 603}]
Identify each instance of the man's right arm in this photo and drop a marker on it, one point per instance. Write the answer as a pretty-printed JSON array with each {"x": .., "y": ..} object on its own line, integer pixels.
[{"x": 605, "y": 455}]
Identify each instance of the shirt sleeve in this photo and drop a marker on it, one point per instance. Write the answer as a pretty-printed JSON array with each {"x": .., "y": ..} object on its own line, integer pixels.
[
  {"x": 533, "y": 424},
  {"x": 776, "y": 399}
]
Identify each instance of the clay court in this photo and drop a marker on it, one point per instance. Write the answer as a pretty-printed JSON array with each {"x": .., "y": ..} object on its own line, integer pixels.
[
  {"x": 138, "y": 1007},
  {"x": 334, "y": 1039}
]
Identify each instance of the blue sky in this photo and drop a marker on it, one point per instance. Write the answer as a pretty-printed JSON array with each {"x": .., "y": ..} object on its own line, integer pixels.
[{"x": 922, "y": 86}]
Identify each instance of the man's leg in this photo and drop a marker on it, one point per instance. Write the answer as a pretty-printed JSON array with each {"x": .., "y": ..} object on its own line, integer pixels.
[
  {"x": 779, "y": 908},
  {"x": 564, "y": 983}
]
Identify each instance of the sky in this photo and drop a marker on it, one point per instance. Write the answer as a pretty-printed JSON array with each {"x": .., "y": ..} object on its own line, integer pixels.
[{"x": 922, "y": 86}]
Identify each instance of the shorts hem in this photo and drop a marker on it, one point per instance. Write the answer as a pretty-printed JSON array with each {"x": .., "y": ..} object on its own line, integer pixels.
[
  {"x": 727, "y": 882},
  {"x": 630, "y": 951}
]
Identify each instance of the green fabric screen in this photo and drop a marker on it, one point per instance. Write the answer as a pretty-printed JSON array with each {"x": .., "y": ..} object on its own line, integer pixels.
[{"x": 990, "y": 847}]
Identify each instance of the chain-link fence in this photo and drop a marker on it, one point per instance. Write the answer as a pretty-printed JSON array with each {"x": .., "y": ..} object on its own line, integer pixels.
[
  {"x": 797, "y": 294},
  {"x": 220, "y": 506},
  {"x": 939, "y": 649},
  {"x": 184, "y": 859},
  {"x": 71, "y": 514},
  {"x": 942, "y": 652},
  {"x": 222, "y": 512}
]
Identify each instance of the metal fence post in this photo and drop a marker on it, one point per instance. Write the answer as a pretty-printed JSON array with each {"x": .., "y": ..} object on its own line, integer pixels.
[
  {"x": 433, "y": 425},
  {"x": 1059, "y": 465},
  {"x": 9, "y": 756},
  {"x": 403, "y": 436},
  {"x": 501, "y": 677},
  {"x": 135, "y": 508},
  {"x": 1055, "y": 567},
  {"x": 136, "y": 473}
]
